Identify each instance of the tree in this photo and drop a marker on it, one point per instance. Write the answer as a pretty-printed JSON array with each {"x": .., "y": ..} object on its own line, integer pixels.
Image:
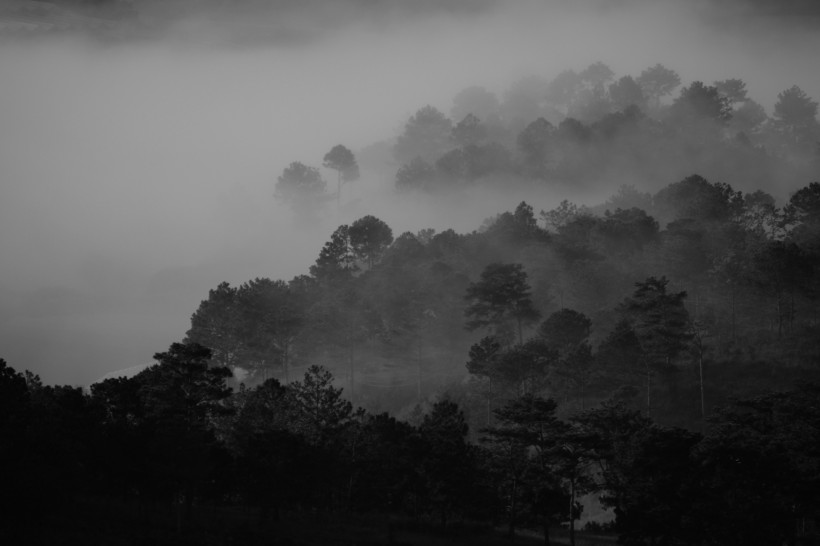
[
  {"x": 525, "y": 368},
  {"x": 696, "y": 198},
  {"x": 596, "y": 74},
  {"x": 446, "y": 463},
  {"x": 534, "y": 143},
  {"x": 620, "y": 356},
  {"x": 216, "y": 324},
  {"x": 529, "y": 422},
  {"x": 657, "y": 82},
  {"x": 300, "y": 186},
  {"x": 572, "y": 131},
  {"x": 452, "y": 165},
  {"x": 385, "y": 469},
  {"x": 626, "y": 92},
  {"x": 804, "y": 204},
  {"x": 341, "y": 160},
  {"x": 484, "y": 358},
  {"x": 13, "y": 397},
  {"x": 783, "y": 270},
  {"x": 565, "y": 329},
  {"x": 561, "y": 215},
  {"x": 15, "y": 449},
  {"x": 369, "y": 238},
  {"x": 701, "y": 102},
  {"x": 627, "y": 231},
  {"x": 795, "y": 109},
  {"x": 469, "y": 130},
  {"x": 660, "y": 322},
  {"x": 183, "y": 396},
  {"x": 426, "y": 135},
  {"x": 416, "y": 175},
  {"x": 653, "y": 502},
  {"x": 803, "y": 212},
  {"x": 336, "y": 260},
  {"x": 323, "y": 413},
  {"x": 733, "y": 89},
  {"x": 273, "y": 313},
  {"x": 515, "y": 228},
  {"x": 748, "y": 117},
  {"x": 184, "y": 387},
  {"x": 509, "y": 461},
  {"x": 760, "y": 465},
  {"x": 644, "y": 472},
  {"x": 500, "y": 298}
]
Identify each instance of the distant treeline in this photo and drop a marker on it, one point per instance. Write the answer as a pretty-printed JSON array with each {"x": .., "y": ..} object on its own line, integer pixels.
[{"x": 586, "y": 131}]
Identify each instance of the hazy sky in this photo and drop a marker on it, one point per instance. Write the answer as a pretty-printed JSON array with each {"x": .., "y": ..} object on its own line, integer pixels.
[{"x": 137, "y": 176}]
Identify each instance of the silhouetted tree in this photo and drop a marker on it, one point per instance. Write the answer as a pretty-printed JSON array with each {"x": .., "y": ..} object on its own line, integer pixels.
[
  {"x": 657, "y": 82},
  {"x": 733, "y": 89},
  {"x": 535, "y": 143},
  {"x": 701, "y": 102},
  {"x": 796, "y": 109},
  {"x": 341, "y": 160},
  {"x": 660, "y": 322},
  {"x": 626, "y": 92},
  {"x": 469, "y": 130},
  {"x": 301, "y": 187},
  {"x": 336, "y": 260},
  {"x": 217, "y": 324},
  {"x": 500, "y": 299},
  {"x": 369, "y": 238},
  {"x": 447, "y": 461},
  {"x": 426, "y": 135}
]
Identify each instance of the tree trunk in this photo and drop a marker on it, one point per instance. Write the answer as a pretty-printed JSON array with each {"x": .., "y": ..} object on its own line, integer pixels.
[
  {"x": 511, "y": 529},
  {"x": 702, "y": 397},
  {"x": 286, "y": 362},
  {"x": 572, "y": 513},
  {"x": 418, "y": 364},
  {"x": 489, "y": 401},
  {"x": 546, "y": 531},
  {"x": 734, "y": 319},
  {"x": 338, "y": 188},
  {"x": 352, "y": 379}
]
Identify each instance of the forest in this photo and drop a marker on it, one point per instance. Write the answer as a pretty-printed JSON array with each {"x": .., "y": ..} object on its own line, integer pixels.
[{"x": 658, "y": 352}]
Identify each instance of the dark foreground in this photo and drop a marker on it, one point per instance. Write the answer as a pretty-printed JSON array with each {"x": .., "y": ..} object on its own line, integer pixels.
[{"x": 112, "y": 524}]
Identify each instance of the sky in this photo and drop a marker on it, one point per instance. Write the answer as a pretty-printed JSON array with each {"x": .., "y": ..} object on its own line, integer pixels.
[{"x": 136, "y": 176}]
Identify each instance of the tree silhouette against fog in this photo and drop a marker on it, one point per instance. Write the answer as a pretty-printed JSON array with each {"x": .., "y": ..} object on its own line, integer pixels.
[
  {"x": 500, "y": 299},
  {"x": 426, "y": 134},
  {"x": 658, "y": 82},
  {"x": 302, "y": 187},
  {"x": 341, "y": 160}
]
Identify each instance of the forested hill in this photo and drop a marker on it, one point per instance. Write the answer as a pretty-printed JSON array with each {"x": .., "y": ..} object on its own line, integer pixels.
[{"x": 699, "y": 294}]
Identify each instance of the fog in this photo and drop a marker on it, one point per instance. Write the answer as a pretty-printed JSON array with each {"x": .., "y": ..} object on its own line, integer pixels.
[{"x": 137, "y": 175}]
